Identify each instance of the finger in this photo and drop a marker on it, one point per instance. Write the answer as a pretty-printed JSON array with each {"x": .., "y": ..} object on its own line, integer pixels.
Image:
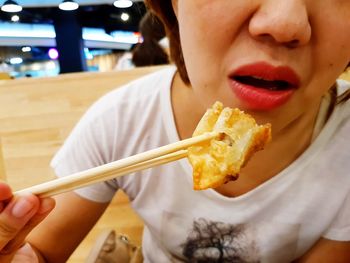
[
  {"x": 46, "y": 206},
  {"x": 5, "y": 195},
  {"x": 5, "y": 191},
  {"x": 15, "y": 216},
  {"x": 24, "y": 254}
]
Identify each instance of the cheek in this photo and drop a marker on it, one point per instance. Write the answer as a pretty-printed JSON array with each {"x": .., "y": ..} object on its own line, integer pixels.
[
  {"x": 200, "y": 54},
  {"x": 207, "y": 35},
  {"x": 323, "y": 80},
  {"x": 334, "y": 55},
  {"x": 333, "y": 34},
  {"x": 331, "y": 52}
]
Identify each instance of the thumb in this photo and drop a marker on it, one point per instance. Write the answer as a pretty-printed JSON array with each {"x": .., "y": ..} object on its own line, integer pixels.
[
  {"x": 25, "y": 254},
  {"x": 15, "y": 216}
]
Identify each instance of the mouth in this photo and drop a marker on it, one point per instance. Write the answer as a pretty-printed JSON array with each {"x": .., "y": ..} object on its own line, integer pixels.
[
  {"x": 261, "y": 86},
  {"x": 272, "y": 85}
]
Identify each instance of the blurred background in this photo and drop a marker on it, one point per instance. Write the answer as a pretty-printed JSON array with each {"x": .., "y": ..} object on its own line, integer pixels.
[
  {"x": 101, "y": 44},
  {"x": 49, "y": 37}
]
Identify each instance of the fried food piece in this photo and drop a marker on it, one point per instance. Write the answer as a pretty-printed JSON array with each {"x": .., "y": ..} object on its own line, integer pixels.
[{"x": 219, "y": 160}]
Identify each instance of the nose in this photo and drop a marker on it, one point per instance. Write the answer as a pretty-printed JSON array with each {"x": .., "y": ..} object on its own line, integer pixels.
[{"x": 283, "y": 21}]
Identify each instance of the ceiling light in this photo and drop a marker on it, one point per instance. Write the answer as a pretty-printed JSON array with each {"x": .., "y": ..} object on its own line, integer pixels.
[
  {"x": 16, "y": 60},
  {"x": 15, "y": 18},
  {"x": 124, "y": 16},
  {"x": 11, "y": 6},
  {"x": 68, "y": 5},
  {"x": 122, "y": 3},
  {"x": 26, "y": 49},
  {"x": 53, "y": 53}
]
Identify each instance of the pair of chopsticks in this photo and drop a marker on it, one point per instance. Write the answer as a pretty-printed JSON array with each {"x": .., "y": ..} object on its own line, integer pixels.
[{"x": 141, "y": 161}]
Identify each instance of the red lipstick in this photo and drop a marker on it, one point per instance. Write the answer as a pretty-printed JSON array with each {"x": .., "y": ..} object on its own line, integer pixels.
[{"x": 261, "y": 86}]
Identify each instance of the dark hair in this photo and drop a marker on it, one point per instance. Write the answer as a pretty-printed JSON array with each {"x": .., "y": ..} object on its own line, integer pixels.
[
  {"x": 151, "y": 27},
  {"x": 149, "y": 52},
  {"x": 164, "y": 10}
]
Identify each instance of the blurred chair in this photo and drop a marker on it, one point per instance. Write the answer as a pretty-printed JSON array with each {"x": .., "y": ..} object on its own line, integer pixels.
[
  {"x": 346, "y": 75},
  {"x": 4, "y": 75}
]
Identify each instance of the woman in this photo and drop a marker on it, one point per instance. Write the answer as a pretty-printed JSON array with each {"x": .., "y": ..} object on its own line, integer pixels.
[{"x": 278, "y": 61}]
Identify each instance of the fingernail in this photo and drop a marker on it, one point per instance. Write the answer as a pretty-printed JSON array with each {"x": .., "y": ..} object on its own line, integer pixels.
[
  {"x": 46, "y": 205},
  {"x": 24, "y": 252},
  {"x": 21, "y": 208},
  {"x": 26, "y": 249}
]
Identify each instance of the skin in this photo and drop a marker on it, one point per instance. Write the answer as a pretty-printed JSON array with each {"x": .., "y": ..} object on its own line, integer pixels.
[{"x": 306, "y": 35}]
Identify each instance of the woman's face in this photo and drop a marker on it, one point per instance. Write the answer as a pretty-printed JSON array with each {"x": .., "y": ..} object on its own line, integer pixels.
[{"x": 274, "y": 59}]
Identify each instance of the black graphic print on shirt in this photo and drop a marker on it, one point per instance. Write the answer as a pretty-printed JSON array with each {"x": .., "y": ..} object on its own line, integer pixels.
[
  {"x": 212, "y": 242},
  {"x": 219, "y": 238}
]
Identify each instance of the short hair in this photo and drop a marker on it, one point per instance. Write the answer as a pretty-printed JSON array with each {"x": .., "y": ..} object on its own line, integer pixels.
[
  {"x": 150, "y": 52},
  {"x": 164, "y": 10}
]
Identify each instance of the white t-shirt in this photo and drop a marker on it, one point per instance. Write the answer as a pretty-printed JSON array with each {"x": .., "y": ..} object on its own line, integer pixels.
[{"x": 276, "y": 222}]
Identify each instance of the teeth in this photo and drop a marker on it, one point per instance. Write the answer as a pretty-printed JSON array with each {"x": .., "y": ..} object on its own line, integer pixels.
[
  {"x": 259, "y": 78},
  {"x": 257, "y": 81}
]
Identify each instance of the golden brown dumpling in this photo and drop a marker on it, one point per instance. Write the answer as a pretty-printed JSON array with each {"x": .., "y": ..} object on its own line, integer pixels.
[{"x": 219, "y": 160}]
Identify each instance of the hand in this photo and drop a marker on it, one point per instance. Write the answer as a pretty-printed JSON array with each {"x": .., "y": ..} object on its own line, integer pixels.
[{"x": 18, "y": 216}]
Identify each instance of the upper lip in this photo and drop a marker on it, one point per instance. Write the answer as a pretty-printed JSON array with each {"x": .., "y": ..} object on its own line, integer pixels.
[{"x": 268, "y": 72}]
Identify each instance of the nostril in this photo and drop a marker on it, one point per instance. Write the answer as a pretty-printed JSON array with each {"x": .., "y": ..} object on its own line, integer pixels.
[
  {"x": 289, "y": 44},
  {"x": 293, "y": 44},
  {"x": 290, "y": 27}
]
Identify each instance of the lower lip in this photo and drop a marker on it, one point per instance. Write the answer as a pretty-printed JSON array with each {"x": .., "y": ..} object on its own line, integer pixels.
[{"x": 258, "y": 98}]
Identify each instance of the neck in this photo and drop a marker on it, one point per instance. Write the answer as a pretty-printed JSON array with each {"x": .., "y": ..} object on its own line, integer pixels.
[
  {"x": 278, "y": 155},
  {"x": 283, "y": 149},
  {"x": 187, "y": 114}
]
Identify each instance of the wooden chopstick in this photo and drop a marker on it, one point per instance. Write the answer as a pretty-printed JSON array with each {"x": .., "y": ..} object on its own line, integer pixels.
[
  {"x": 110, "y": 175},
  {"x": 145, "y": 160}
]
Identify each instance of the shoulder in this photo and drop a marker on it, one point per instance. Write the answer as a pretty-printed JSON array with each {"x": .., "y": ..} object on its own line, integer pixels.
[
  {"x": 338, "y": 127},
  {"x": 342, "y": 85},
  {"x": 123, "y": 109},
  {"x": 130, "y": 98},
  {"x": 331, "y": 155},
  {"x": 126, "y": 107},
  {"x": 326, "y": 250},
  {"x": 340, "y": 117},
  {"x": 343, "y": 89},
  {"x": 135, "y": 91}
]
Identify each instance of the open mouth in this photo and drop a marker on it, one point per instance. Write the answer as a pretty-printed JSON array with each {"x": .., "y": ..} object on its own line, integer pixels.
[
  {"x": 262, "y": 86},
  {"x": 257, "y": 82}
]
